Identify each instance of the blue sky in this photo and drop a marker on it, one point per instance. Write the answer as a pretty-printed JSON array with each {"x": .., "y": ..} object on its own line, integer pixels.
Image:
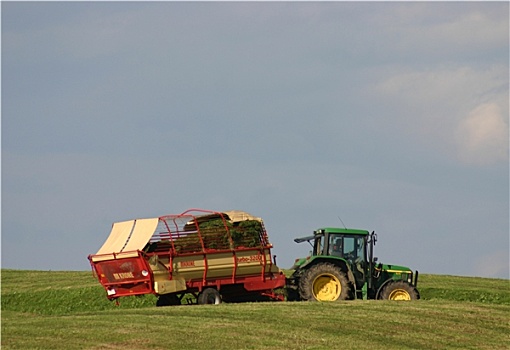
[{"x": 392, "y": 116}]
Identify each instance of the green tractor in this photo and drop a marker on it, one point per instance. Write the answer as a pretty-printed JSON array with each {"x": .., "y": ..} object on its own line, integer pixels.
[{"x": 342, "y": 266}]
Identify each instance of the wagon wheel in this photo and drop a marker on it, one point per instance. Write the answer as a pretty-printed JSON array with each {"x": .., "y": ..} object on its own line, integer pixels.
[
  {"x": 168, "y": 300},
  {"x": 209, "y": 296}
]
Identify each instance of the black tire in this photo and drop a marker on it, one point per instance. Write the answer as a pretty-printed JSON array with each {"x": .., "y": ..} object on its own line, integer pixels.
[
  {"x": 292, "y": 294},
  {"x": 399, "y": 290},
  {"x": 209, "y": 296},
  {"x": 168, "y": 300},
  {"x": 324, "y": 282}
]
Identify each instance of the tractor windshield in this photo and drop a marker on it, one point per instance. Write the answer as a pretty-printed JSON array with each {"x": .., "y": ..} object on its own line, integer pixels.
[{"x": 351, "y": 248}]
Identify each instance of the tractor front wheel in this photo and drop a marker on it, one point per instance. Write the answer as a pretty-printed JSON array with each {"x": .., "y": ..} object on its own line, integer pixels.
[
  {"x": 399, "y": 290},
  {"x": 324, "y": 282}
]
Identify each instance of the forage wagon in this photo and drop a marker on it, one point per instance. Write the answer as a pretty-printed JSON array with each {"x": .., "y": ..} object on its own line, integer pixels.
[{"x": 210, "y": 255}]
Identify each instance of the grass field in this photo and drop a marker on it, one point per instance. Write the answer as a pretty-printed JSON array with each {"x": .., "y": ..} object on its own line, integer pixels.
[{"x": 69, "y": 310}]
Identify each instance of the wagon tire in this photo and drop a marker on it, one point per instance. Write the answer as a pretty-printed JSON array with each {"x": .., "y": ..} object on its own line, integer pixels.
[
  {"x": 209, "y": 296},
  {"x": 168, "y": 300},
  {"x": 399, "y": 290},
  {"x": 324, "y": 282}
]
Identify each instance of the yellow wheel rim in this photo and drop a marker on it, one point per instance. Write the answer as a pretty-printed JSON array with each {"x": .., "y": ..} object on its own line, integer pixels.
[
  {"x": 399, "y": 294},
  {"x": 326, "y": 287}
]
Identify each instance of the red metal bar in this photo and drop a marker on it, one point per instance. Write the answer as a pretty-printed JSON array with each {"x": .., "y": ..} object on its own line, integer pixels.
[
  {"x": 176, "y": 229},
  {"x": 234, "y": 271},
  {"x": 264, "y": 265},
  {"x": 206, "y": 269},
  {"x": 169, "y": 234},
  {"x": 250, "y": 283}
]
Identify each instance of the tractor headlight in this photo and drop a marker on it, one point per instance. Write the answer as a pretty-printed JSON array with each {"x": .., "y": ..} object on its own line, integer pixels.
[{"x": 145, "y": 273}]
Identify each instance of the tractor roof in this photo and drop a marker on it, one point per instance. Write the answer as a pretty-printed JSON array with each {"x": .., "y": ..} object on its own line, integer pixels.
[
  {"x": 321, "y": 231},
  {"x": 347, "y": 231}
]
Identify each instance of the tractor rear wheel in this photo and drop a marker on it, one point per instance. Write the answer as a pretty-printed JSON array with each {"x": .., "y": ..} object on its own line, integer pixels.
[
  {"x": 209, "y": 296},
  {"x": 324, "y": 282},
  {"x": 399, "y": 290}
]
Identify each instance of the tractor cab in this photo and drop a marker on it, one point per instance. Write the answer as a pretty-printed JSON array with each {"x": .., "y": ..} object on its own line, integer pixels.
[{"x": 346, "y": 244}]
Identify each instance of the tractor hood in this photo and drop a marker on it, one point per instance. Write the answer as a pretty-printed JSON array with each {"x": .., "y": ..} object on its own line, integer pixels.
[{"x": 395, "y": 268}]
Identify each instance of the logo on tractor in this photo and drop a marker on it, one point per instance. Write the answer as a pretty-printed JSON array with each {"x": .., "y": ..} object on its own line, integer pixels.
[{"x": 122, "y": 275}]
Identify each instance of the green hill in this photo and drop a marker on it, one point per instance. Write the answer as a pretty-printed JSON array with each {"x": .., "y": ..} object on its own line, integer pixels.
[{"x": 69, "y": 310}]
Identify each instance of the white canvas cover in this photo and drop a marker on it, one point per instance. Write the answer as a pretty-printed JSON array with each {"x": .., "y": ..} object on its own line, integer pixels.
[
  {"x": 129, "y": 235},
  {"x": 117, "y": 238},
  {"x": 142, "y": 233},
  {"x": 238, "y": 215}
]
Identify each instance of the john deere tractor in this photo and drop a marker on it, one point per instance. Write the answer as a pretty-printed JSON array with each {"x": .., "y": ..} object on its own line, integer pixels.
[{"x": 342, "y": 266}]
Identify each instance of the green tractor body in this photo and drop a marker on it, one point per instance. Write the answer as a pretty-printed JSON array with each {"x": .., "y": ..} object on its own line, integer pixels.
[{"x": 342, "y": 266}]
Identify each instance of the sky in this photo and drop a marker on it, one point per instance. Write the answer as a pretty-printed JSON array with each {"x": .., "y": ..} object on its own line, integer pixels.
[{"x": 388, "y": 116}]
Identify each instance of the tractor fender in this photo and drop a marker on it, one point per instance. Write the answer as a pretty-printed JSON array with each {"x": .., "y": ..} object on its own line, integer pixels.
[
  {"x": 381, "y": 287},
  {"x": 341, "y": 263}
]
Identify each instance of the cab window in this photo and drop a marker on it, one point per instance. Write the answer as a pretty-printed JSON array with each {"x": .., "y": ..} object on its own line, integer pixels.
[
  {"x": 349, "y": 247},
  {"x": 335, "y": 245}
]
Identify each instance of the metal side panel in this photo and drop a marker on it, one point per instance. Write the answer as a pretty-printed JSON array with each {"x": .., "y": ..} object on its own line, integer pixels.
[
  {"x": 125, "y": 276},
  {"x": 113, "y": 256}
]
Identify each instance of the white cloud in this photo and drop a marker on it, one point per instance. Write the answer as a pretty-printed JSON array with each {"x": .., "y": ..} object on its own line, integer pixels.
[
  {"x": 482, "y": 138},
  {"x": 451, "y": 32},
  {"x": 457, "y": 110}
]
